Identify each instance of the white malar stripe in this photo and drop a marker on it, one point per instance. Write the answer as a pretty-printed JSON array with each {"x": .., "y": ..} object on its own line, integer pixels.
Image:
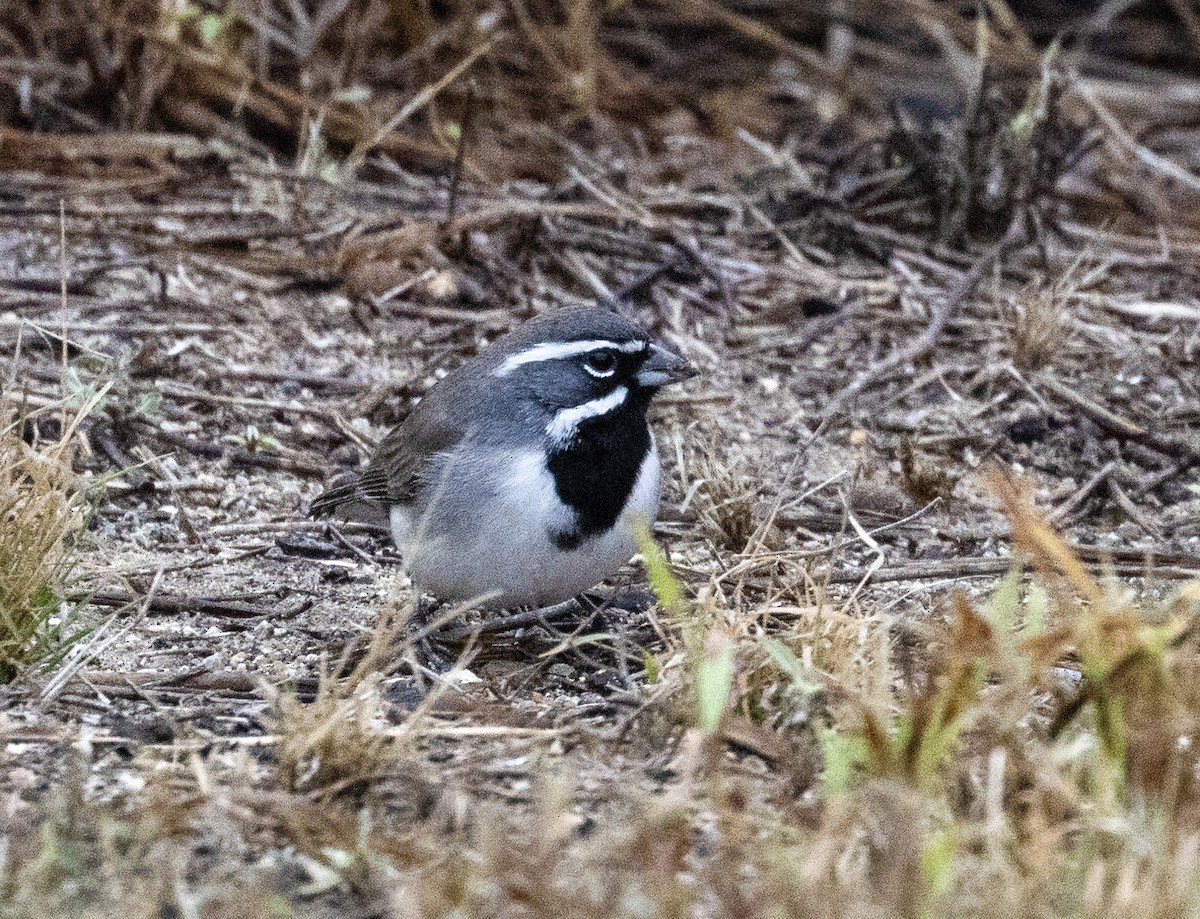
[
  {"x": 558, "y": 350},
  {"x": 562, "y": 427}
]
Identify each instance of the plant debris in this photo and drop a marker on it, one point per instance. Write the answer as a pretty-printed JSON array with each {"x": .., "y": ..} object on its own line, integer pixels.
[{"x": 925, "y": 638}]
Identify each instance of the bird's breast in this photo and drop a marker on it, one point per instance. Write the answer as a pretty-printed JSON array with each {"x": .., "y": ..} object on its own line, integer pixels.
[
  {"x": 596, "y": 473},
  {"x": 495, "y": 523}
]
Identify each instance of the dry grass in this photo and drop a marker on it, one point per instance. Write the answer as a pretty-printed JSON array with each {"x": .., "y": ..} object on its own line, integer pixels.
[
  {"x": 721, "y": 490},
  {"x": 337, "y": 742},
  {"x": 1039, "y": 317},
  {"x": 1030, "y": 759},
  {"x": 1030, "y": 756},
  {"x": 41, "y": 512}
]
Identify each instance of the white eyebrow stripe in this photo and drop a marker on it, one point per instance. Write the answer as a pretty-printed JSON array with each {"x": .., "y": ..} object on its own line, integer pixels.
[
  {"x": 558, "y": 350},
  {"x": 563, "y": 425}
]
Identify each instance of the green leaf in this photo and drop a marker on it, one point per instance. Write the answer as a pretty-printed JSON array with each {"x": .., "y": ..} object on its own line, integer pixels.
[
  {"x": 714, "y": 676},
  {"x": 843, "y": 757},
  {"x": 210, "y": 28},
  {"x": 937, "y": 864},
  {"x": 353, "y": 94},
  {"x": 662, "y": 580},
  {"x": 1002, "y": 606},
  {"x": 650, "y": 665},
  {"x": 77, "y": 393},
  {"x": 254, "y": 440},
  {"x": 1037, "y": 610},
  {"x": 148, "y": 404},
  {"x": 791, "y": 665}
]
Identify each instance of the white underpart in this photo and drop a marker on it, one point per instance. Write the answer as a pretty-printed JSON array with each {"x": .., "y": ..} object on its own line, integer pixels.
[
  {"x": 493, "y": 537},
  {"x": 560, "y": 350},
  {"x": 565, "y": 423}
]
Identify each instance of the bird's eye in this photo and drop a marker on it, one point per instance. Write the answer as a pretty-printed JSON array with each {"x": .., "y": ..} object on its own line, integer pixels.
[{"x": 601, "y": 362}]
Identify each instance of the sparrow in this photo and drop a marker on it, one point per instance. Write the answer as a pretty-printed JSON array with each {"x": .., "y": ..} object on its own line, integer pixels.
[{"x": 517, "y": 479}]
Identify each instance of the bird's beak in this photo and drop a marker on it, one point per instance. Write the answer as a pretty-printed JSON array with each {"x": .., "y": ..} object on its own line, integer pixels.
[{"x": 663, "y": 367}]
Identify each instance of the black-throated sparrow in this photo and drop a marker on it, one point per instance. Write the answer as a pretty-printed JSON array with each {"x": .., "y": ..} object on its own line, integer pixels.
[{"x": 518, "y": 475}]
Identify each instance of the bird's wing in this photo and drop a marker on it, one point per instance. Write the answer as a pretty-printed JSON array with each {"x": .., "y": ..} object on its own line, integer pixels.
[{"x": 394, "y": 472}]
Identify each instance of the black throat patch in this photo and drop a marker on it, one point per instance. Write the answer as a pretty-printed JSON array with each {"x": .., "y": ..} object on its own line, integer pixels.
[{"x": 595, "y": 473}]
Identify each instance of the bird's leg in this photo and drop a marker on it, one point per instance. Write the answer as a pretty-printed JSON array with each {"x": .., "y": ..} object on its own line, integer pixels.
[
  {"x": 546, "y": 613},
  {"x": 434, "y": 656},
  {"x": 508, "y": 621},
  {"x": 584, "y": 610}
]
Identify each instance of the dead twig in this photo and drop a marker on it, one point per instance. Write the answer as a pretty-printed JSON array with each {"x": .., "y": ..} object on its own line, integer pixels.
[
  {"x": 175, "y": 605},
  {"x": 1013, "y": 237},
  {"x": 954, "y": 569},
  {"x": 1088, "y": 487},
  {"x": 1184, "y": 451},
  {"x": 496, "y": 624}
]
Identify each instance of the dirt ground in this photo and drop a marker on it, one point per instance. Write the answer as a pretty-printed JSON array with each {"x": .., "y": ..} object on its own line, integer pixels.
[{"x": 247, "y": 331}]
